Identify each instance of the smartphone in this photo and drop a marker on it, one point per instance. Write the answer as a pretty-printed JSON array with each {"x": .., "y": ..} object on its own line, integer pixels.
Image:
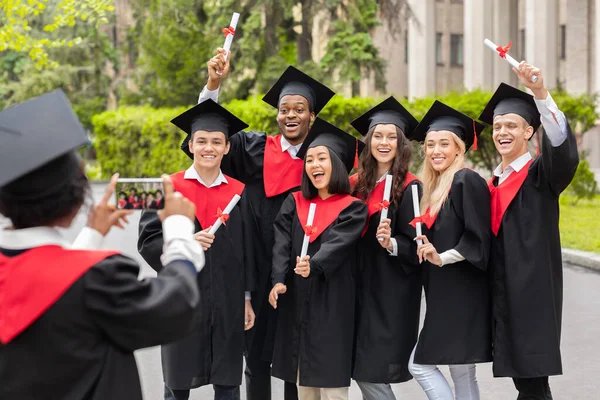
[{"x": 143, "y": 194}]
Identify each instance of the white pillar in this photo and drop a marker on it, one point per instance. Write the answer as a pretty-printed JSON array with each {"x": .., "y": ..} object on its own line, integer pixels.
[
  {"x": 421, "y": 49},
  {"x": 577, "y": 47},
  {"x": 541, "y": 38},
  {"x": 478, "y": 58},
  {"x": 506, "y": 29}
]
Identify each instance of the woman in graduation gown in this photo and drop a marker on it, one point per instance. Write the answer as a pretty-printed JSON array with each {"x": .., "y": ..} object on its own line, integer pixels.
[
  {"x": 389, "y": 278},
  {"x": 315, "y": 294},
  {"x": 213, "y": 352},
  {"x": 454, "y": 256},
  {"x": 71, "y": 319}
]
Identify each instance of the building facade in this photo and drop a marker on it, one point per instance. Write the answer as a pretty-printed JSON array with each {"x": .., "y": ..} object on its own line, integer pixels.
[{"x": 438, "y": 47}]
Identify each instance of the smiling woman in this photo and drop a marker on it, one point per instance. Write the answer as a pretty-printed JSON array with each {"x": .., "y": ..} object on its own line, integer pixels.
[{"x": 313, "y": 288}]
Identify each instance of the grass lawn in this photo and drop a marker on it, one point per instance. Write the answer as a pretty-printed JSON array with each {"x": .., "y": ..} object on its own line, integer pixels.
[{"x": 580, "y": 224}]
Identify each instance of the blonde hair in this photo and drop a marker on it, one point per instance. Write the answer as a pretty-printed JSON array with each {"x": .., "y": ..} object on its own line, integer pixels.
[{"x": 436, "y": 185}]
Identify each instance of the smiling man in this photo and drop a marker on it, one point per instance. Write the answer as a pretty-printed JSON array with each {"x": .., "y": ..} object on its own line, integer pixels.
[
  {"x": 526, "y": 254},
  {"x": 213, "y": 352},
  {"x": 271, "y": 171}
]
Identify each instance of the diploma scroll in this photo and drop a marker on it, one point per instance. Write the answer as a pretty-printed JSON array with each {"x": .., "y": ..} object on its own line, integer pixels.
[
  {"x": 226, "y": 212},
  {"x": 229, "y": 33},
  {"x": 309, "y": 222},
  {"x": 386, "y": 199},
  {"x": 417, "y": 211},
  {"x": 506, "y": 56}
]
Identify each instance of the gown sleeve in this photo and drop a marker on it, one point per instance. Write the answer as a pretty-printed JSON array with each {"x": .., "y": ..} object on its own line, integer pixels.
[
  {"x": 244, "y": 161},
  {"x": 282, "y": 248},
  {"x": 343, "y": 235},
  {"x": 150, "y": 239},
  {"x": 558, "y": 164},
  {"x": 403, "y": 232},
  {"x": 471, "y": 200},
  {"x": 135, "y": 314}
]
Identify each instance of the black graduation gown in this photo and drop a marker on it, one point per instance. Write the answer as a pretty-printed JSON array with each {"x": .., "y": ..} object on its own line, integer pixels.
[
  {"x": 389, "y": 298},
  {"x": 315, "y": 328},
  {"x": 457, "y": 327},
  {"x": 82, "y": 346},
  {"x": 213, "y": 352},
  {"x": 245, "y": 162},
  {"x": 526, "y": 266}
]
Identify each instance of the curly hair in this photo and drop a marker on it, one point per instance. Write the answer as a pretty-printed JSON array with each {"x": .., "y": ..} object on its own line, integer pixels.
[
  {"x": 367, "y": 172},
  {"x": 28, "y": 205}
]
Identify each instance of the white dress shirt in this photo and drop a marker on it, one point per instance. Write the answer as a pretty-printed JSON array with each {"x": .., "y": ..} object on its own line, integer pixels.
[
  {"x": 191, "y": 173},
  {"x": 178, "y": 233}
]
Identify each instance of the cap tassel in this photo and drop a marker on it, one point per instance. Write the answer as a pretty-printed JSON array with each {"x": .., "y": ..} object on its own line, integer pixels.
[
  {"x": 537, "y": 145},
  {"x": 356, "y": 156},
  {"x": 474, "y": 136}
]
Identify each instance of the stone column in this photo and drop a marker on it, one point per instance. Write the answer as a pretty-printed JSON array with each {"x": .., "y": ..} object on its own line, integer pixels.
[
  {"x": 506, "y": 29},
  {"x": 541, "y": 38},
  {"x": 577, "y": 69},
  {"x": 478, "y": 58},
  {"x": 421, "y": 49}
]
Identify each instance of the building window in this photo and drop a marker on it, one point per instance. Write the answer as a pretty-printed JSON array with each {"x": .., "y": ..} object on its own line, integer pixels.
[
  {"x": 406, "y": 47},
  {"x": 522, "y": 43},
  {"x": 438, "y": 49},
  {"x": 456, "y": 50},
  {"x": 563, "y": 42}
]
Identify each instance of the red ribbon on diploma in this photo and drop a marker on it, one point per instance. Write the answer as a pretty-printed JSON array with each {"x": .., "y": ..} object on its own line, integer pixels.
[
  {"x": 384, "y": 204},
  {"x": 426, "y": 219},
  {"x": 222, "y": 216},
  {"x": 229, "y": 31},
  {"x": 309, "y": 230},
  {"x": 502, "y": 51}
]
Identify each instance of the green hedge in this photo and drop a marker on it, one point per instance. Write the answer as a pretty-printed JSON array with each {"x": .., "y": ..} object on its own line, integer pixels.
[{"x": 140, "y": 141}]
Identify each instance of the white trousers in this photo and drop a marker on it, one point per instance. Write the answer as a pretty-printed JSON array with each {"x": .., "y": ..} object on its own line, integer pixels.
[{"x": 436, "y": 387}]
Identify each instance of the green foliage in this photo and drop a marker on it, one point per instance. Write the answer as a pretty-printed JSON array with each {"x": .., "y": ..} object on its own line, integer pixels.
[
  {"x": 584, "y": 183},
  {"x": 18, "y": 18}
]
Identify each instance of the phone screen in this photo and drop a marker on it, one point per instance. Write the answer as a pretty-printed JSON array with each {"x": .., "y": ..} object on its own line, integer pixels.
[{"x": 144, "y": 194}]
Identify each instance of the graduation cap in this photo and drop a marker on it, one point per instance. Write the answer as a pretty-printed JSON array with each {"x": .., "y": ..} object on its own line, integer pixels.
[
  {"x": 207, "y": 116},
  {"x": 389, "y": 111},
  {"x": 510, "y": 100},
  {"x": 295, "y": 82},
  {"x": 344, "y": 145},
  {"x": 37, "y": 139},
  {"x": 441, "y": 117}
]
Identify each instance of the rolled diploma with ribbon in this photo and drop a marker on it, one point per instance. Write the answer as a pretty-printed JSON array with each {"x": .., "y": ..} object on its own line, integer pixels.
[
  {"x": 227, "y": 211},
  {"x": 229, "y": 37},
  {"x": 309, "y": 222},
  {"x": 416, "y": 209},
  {"x": 507, "y": 57},
  {"x": 386, "y": 197}
]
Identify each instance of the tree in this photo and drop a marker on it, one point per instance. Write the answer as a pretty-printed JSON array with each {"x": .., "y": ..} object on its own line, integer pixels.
[{"x": 18, "y": 33}]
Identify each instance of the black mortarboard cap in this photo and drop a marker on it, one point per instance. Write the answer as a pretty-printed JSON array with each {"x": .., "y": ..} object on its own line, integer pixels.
[
  {"x": 344, "y": 145},
  {"x": 295, "y": 82},
  {"x": 441, "y": 117},
  {"x": 207, "y": 116},
  {"x": 510, "y": 100},
  {"x": 40, "y": 132},
  {"x": 389, "y": 111}
]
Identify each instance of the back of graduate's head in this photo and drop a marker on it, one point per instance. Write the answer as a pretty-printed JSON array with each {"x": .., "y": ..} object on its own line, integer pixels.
[
  {"x": 323, "y": 169},
  {"x": 42, "y": 178},
  {"x": 50, "y": 195}
]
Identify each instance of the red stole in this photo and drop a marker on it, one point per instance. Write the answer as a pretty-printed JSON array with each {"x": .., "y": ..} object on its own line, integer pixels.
[
  {"x": 375, "y": 202},
  {"x": 33, "y": 281},
  {"x": 209, "y": 202},
  {"x": 326, "y": 213},
  {"x": 281, "y": 171},
  {"x": 503, "y": 194}
]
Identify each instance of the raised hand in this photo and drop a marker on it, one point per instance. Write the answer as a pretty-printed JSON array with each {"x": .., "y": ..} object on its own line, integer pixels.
[
  {"x": 427, "y": 252},
  {"x": 175, "y": 203}
]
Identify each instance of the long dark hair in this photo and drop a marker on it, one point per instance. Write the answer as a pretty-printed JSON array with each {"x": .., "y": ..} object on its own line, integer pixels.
[
  {"x": 367, "y": 171},
  {"x": 338, "y": 184}
]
